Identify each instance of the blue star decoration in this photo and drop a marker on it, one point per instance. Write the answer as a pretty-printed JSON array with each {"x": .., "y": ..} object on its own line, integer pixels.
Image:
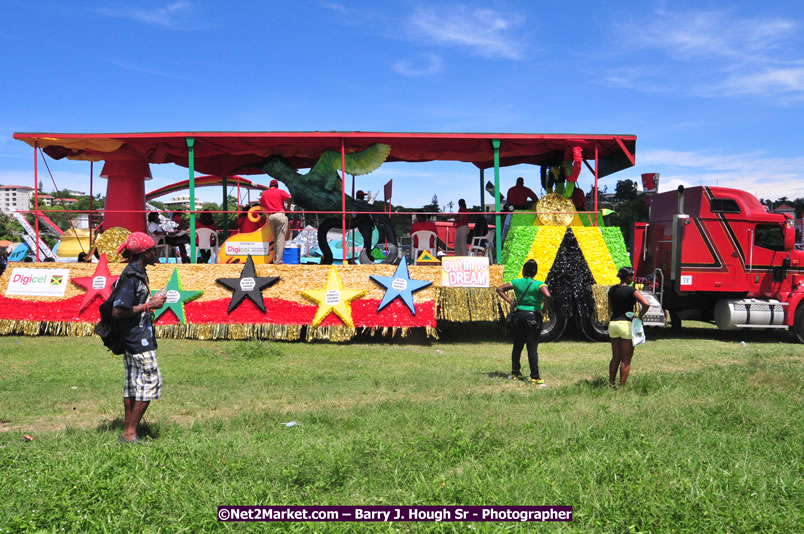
[
  {"x": 400, "y": 285},
  {"x": 175, "y": 298},
  {"x": 248, "y": 285}
]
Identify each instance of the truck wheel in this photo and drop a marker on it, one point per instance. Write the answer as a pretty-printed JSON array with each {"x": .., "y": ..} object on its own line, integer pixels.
[
  {"x": 798, "y": 324},
  {"x": 592, "y": 329},
  {"x": 553, "y": 328}
]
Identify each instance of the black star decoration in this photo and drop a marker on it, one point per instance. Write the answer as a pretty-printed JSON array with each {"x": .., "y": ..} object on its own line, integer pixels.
[{"x": 248, "y": 285}]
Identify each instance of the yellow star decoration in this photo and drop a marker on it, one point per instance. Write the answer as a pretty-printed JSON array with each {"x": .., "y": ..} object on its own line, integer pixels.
[{"x": 333, "y": 298}]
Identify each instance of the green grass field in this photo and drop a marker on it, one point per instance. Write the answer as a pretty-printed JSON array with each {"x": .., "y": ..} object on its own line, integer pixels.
[{"x": 706, "y": 437}]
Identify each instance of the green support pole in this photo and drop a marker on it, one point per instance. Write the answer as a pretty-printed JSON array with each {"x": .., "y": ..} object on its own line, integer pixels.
[
  {"x": 225, "y": 205},
  {"x": 191, "y": 166},
  {"x": 495, "y": 143}
]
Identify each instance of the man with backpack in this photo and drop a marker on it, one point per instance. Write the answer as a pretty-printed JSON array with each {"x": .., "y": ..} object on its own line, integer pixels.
[{"x": 132, "y": 315}]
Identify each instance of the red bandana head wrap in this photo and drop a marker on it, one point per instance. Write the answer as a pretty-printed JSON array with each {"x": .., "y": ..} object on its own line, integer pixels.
[{"x": 137, "y": 243}]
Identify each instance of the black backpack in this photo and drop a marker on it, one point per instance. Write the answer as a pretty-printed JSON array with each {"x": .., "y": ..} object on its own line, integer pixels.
[{"x": 109, "y": 329}]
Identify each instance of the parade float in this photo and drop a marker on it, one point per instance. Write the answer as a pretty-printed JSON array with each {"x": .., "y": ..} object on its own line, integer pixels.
[{"x": 245, "y": 297}]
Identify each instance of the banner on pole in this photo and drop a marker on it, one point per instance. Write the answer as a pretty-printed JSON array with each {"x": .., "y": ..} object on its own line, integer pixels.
[{"x": 388, "y": 189}]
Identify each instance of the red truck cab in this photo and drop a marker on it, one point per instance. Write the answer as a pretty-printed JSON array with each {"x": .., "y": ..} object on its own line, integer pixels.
[{"x": 723, "y": 257}]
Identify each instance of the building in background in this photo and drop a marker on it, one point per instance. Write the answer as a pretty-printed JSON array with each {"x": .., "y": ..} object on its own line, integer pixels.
[
  {"x": 181, "y": 203},
  {"x": 15, "y": 198}
]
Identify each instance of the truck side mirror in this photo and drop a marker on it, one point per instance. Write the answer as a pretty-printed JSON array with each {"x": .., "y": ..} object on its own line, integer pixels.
[{"x": 789, "y": 235}]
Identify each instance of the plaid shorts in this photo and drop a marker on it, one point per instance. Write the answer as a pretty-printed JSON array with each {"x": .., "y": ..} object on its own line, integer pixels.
[{"x": 143, "y": 378}]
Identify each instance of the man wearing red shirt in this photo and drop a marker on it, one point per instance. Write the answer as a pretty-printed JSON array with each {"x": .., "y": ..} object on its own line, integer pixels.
[
  {"x": 461, "y": 229},
  {"x": 519, "y": 196},
  {"x": 274, "y": 202}
]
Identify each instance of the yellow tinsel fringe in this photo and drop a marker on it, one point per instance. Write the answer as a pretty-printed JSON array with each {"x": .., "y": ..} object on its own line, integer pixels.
[{"x": 597, "y": 255}]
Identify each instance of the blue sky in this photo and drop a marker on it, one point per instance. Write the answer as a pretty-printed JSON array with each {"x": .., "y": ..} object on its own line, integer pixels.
[{"x": 714, "y": 91}]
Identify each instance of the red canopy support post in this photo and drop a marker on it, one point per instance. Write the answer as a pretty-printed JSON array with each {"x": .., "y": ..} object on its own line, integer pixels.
[
  {"x": 495, "y": 143},
  {"x": 36, "y": 196},
  {"x": 596, "y": 178},
  {"x": 89, "y": 215},
  {"x": 343, "y": 197},
  {"x": 191, "y": 166},
  {"x": 350, "y": 217}
]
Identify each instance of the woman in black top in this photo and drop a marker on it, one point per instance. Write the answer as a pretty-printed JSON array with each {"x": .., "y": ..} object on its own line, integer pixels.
[{"x": 622, "y": 298}]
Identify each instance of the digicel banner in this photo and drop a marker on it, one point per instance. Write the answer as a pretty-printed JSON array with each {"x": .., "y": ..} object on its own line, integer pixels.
[
  {"x": 38, "y": 282},
  {"x": 465, "y": 271}
]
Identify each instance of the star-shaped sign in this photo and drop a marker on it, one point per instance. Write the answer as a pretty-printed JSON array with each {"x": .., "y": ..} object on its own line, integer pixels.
[
  {"x": 248, "y": 285},
  {"x": 400, "y": 285},
  {"x": 100, "y": 284},
  {"x": 175, "y": 297},
  {"x": 333, "y": 298}
]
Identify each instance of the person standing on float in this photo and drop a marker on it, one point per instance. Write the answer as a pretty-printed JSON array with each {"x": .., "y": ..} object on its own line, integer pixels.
[
  {"x": 274, "y": 202},
  {"x": 461, "y": 229}
]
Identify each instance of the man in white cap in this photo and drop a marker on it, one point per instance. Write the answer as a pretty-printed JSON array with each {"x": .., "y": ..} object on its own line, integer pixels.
[{"x": 274, "y": 202}]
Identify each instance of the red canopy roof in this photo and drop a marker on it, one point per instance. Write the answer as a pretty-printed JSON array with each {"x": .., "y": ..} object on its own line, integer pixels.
[{"x": 221, "y": 153}]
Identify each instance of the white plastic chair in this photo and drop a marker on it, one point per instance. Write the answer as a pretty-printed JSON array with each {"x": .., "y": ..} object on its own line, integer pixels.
[
  {"x": 423, "y": 240},
  {"x": 481, "y": 246},
  {"x": 162, "y": 248},
  {"x": 205, "y": 236}
]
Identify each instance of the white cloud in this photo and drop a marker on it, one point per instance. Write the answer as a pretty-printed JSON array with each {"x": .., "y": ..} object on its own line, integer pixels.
[
  {"x": 335, "y": 7},
  {"x": 486, "y": 32},
  {"x": 756, "y": 172},
  {"x": 430, "y": 64},
  {"x": 688, "y": 35},
  {"x": 770, "y": 81},
  {"x": 144, "y": 70},
  {"x": 170, "y": 16},
  {"x": 733, "y": 55}
]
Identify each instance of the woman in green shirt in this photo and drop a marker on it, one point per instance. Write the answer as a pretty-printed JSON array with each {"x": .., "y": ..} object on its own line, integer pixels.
[{"x": 526, "y": 327}]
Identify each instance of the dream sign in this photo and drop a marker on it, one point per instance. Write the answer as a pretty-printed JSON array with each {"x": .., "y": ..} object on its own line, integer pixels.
[{"x": 465, "y": 271}]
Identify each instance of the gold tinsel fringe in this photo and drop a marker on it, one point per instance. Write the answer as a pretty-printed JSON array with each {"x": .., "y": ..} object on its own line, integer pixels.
[
  {"x": 470, "y": 304},
  {"x": 601, "y": 296},
  {"x": 45, "y": 328},
  {"x": 330, "y": 333},
  {"x": 273, "y": 332}
]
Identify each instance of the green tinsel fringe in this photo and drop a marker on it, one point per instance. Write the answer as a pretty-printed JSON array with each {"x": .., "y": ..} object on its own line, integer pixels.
[
  {"x": 516, "y": 248},
  {"x": 522, "y": 219},
  {"x": 613, "y": 237}
]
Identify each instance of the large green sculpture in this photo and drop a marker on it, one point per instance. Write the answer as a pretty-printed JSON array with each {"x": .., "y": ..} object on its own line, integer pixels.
[{"x": 320, "y": 190}]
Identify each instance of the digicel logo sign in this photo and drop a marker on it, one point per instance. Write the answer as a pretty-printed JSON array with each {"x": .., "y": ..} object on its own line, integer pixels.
[
  {"x": 27, "y": 279},
  {"x": 38, "y": 282}
]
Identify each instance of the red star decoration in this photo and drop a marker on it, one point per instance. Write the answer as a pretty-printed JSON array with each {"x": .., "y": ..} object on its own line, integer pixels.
[{"x": 97, "y": 285}]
